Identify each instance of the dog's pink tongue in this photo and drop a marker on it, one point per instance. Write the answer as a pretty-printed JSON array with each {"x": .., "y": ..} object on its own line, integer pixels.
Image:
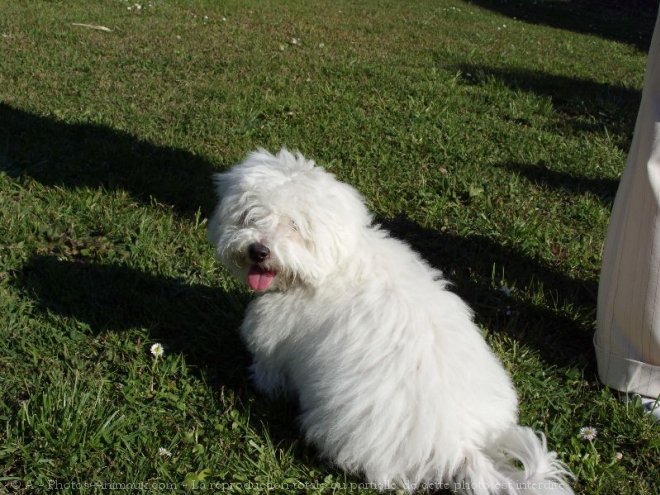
[{"x": 259, "y": 279}]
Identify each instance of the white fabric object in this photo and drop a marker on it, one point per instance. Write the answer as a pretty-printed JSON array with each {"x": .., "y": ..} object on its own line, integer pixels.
[{"x": 627, "y": 339}]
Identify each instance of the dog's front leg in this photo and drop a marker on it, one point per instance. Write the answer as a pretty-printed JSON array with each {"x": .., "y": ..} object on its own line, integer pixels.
[
  {"x": 266, "y": 333},
  {"x": 269, "y": 378}
]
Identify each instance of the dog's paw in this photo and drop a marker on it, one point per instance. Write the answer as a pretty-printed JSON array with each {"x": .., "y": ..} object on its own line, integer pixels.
[{"x": 267, "y": 380}]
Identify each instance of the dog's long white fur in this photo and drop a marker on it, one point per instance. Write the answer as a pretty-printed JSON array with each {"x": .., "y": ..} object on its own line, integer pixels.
[{"x": 394, "y": 379}]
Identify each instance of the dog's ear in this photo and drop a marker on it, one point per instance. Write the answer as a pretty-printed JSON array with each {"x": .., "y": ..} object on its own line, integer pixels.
[
  {"x": 213, "y": 228},
  {"x": 221, "y": 182}
]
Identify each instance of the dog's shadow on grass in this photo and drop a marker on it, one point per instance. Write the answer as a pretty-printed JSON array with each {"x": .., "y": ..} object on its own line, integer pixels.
[
  {"x": 199, "y": 322},
  {"x": 475, "y": 265},
  {"x": 196, "y": 320}
]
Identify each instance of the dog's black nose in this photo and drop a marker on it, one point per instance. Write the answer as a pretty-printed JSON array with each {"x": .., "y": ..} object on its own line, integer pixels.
[{"x": 258, "y": 252}]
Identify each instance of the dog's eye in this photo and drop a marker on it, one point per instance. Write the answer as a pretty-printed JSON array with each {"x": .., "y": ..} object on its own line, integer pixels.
[
  {"x": 293, "y": 226},
  {"x": 242, "y": 219}
]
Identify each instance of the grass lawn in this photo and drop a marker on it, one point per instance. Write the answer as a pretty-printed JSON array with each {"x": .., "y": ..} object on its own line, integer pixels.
[{"x": 488, "y": 134}]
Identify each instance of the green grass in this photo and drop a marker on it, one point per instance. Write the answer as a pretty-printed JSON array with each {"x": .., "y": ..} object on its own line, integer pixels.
[{"x": 490, "y": 135}]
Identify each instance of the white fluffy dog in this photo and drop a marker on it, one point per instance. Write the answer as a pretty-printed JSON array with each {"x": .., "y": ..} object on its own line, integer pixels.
[{"x": 394, "y": 379}]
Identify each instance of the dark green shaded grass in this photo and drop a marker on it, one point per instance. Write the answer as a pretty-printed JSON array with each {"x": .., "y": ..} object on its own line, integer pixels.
[{"x": 492, "y": 144}]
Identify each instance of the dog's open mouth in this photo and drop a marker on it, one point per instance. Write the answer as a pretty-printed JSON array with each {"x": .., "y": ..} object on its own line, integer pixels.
[{"x": 259, "y": 279}]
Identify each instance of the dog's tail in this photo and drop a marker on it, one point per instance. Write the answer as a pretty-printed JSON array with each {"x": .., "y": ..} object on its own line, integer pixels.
[{"x": 516, "y": 463}]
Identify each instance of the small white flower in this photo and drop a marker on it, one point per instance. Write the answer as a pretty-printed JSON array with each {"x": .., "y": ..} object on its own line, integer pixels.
[
  {"x": 163, "y": 452},
  {"x": 588, "y": 433},
  {"x": 295, "y": 41},
  {"x": 156, "y": 350},
  {"x": 618, "y": 456}
]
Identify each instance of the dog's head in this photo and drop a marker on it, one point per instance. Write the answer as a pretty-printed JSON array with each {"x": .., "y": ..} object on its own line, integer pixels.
[{"x": 282, "y": 221}]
